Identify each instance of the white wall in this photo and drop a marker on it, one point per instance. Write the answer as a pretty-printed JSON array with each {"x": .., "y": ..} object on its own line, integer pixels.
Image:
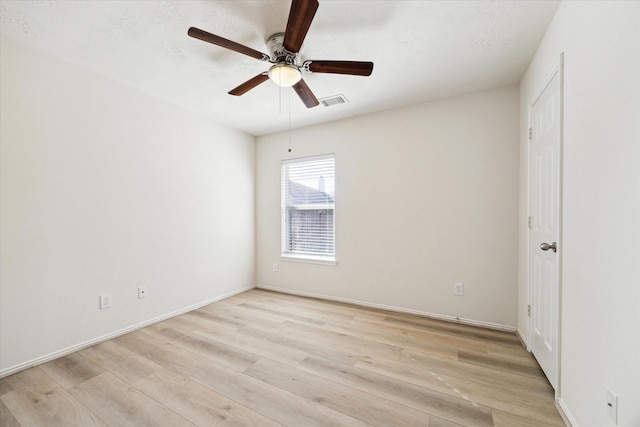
[
  {"x": 601, "y": 240},
  {"x": 104, "y": 189},
  {"x": 426, "y": 196}
]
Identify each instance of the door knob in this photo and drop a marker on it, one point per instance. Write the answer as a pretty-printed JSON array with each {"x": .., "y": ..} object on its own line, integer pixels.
[{"x": 546, "y": 246}]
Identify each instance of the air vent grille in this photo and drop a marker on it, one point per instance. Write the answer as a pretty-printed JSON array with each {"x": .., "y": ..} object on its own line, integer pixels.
[{"x": 334, "y": 100}]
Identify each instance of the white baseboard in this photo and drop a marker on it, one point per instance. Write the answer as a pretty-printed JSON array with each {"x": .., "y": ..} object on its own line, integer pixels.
[
  {"x": 63, "y": 352},
  {"x": 566, "y": 414},
  {"x": 454, "y": 319},
  {"x": 522, "y": 339}
]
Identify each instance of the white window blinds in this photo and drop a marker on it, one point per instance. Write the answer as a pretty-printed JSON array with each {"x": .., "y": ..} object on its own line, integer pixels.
[{"x": 308, "y": 206}]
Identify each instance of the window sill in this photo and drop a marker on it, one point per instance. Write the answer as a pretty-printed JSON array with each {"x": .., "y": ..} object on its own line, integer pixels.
[{"x": 308, "y": 259}]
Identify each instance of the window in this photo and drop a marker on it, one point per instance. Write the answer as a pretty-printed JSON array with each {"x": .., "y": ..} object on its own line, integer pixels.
[{"x": 308, "y": 206}]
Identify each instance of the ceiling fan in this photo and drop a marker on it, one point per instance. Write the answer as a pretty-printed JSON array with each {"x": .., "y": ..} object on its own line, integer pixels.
[{"x": 285, "y": 49}]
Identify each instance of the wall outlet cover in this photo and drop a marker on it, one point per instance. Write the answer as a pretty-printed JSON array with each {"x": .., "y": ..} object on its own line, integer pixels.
[
  {"x": 142, "y": 291},
  {"x": 458, "y": 289},
  {"x": 106, "y": 301}
]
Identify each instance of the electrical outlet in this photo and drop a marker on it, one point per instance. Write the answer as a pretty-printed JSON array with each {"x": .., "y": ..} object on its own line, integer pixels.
[
  {"x": 275, "y": 266},
  {"x": 105, "y": 301},
  {"x": 142, "y": 292},
  {"x": 458, "y": 289},
  {"x": 612, "y": 406}
]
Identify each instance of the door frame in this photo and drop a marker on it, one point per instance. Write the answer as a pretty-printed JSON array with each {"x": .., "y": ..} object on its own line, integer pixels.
[{"x": 557, "y": 69}]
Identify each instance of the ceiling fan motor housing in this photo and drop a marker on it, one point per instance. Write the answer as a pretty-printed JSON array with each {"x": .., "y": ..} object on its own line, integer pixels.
[{"x": 279, "y": 54}]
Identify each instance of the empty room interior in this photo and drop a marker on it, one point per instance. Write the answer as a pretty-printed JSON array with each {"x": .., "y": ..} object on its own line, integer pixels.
[{"x": 320, "y": 212}]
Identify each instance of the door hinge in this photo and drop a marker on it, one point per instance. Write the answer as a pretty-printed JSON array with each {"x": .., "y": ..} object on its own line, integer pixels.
[
  {"x": 529, "y": 223},
  {"x": 529, "y": 310},
  {"x": 530, "y": 133}
]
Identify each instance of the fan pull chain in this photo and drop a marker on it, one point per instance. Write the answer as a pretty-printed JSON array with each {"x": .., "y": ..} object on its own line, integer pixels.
[{"x": 289, "y": 96}]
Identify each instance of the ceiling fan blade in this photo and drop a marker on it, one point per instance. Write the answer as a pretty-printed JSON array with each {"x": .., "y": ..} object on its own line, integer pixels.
[
  {"x": 300, "y": 17},
  {"x": 305, "y": 94},
  {"x": 228, "y": 44},
  {"x": 354, "y": 68},
  {"x": 249, "y": 84}
]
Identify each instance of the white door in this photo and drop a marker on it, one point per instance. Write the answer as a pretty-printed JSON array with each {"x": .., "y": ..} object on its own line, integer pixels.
[{"x": 545, "y": 247}]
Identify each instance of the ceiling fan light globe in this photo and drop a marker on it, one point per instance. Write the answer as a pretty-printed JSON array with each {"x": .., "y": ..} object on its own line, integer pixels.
[{"x": 285, "y": 75}]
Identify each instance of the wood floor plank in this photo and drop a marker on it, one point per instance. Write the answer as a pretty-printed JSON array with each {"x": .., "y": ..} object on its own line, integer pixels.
[
  {"x": 373, "y": 410},
  {"x": 307, "y": 344},
  {"x": 413, "y": 338},
  {"x": 55, "y": 408},
  {"x": 512, "y": 351},
  {"x": 250, "y": 317},
  {"x": 141, "y": 342},
  {"x": 27, "y": 379},
  {"x": 434, "y": 350},
  {"x": 295, "y": 306},
  {"x": 216, "y": 319},
  {"x": 437, "y": 349},
  {"x": 500, "y": 363},
  {"x": 439, "y": 422},
  {"x": 222, "y": 353},
  {"x": 72, "y": 369},
  {"x": 120, "y": 361},
  {"x": 507, "y": 419},
  {"x": 530, "y": 386},
  {"x": 174, "y": 322},
  {"x": 272, "y": 402},
  {"x": 331, "y": 338},
  {"x": 198, "y": 404},
  {"x": 356, "y": 310},
  {"x": 433, "y": 402},
  {"x": 41, "y": 401},
  {"x": 119, "y": 404},
  {"x": 454, "y": 329},
  {"x": 259, "y": 346},
  {"x": 339, "y": 309},
  {"x": 6, "y": 417},
  {"x": 220, "y": 315},
  {"x": 5, "y": 385},
  {"x": 287, "y": 315},
  {"x": 491, "y": 396}
]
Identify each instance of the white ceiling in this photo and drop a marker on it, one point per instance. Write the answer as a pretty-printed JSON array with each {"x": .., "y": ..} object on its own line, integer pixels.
[{"x": 422, "y": 50}]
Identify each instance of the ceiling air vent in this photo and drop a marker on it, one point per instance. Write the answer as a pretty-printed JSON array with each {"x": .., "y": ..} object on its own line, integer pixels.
[{"x": 334, "y": 100}]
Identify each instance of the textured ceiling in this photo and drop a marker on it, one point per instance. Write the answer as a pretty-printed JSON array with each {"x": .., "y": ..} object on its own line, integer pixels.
[{"x": 422, "y": 50}]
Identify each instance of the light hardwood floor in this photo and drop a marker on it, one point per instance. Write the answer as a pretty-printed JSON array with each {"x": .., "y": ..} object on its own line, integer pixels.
[{"x": 267, "y": 359}]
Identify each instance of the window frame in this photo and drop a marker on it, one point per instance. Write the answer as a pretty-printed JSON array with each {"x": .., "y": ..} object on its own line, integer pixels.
[{"x": 285, "y": 253}]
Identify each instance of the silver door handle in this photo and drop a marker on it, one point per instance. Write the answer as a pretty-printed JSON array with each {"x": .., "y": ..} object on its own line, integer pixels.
[{"x": 546, "y": 246}]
